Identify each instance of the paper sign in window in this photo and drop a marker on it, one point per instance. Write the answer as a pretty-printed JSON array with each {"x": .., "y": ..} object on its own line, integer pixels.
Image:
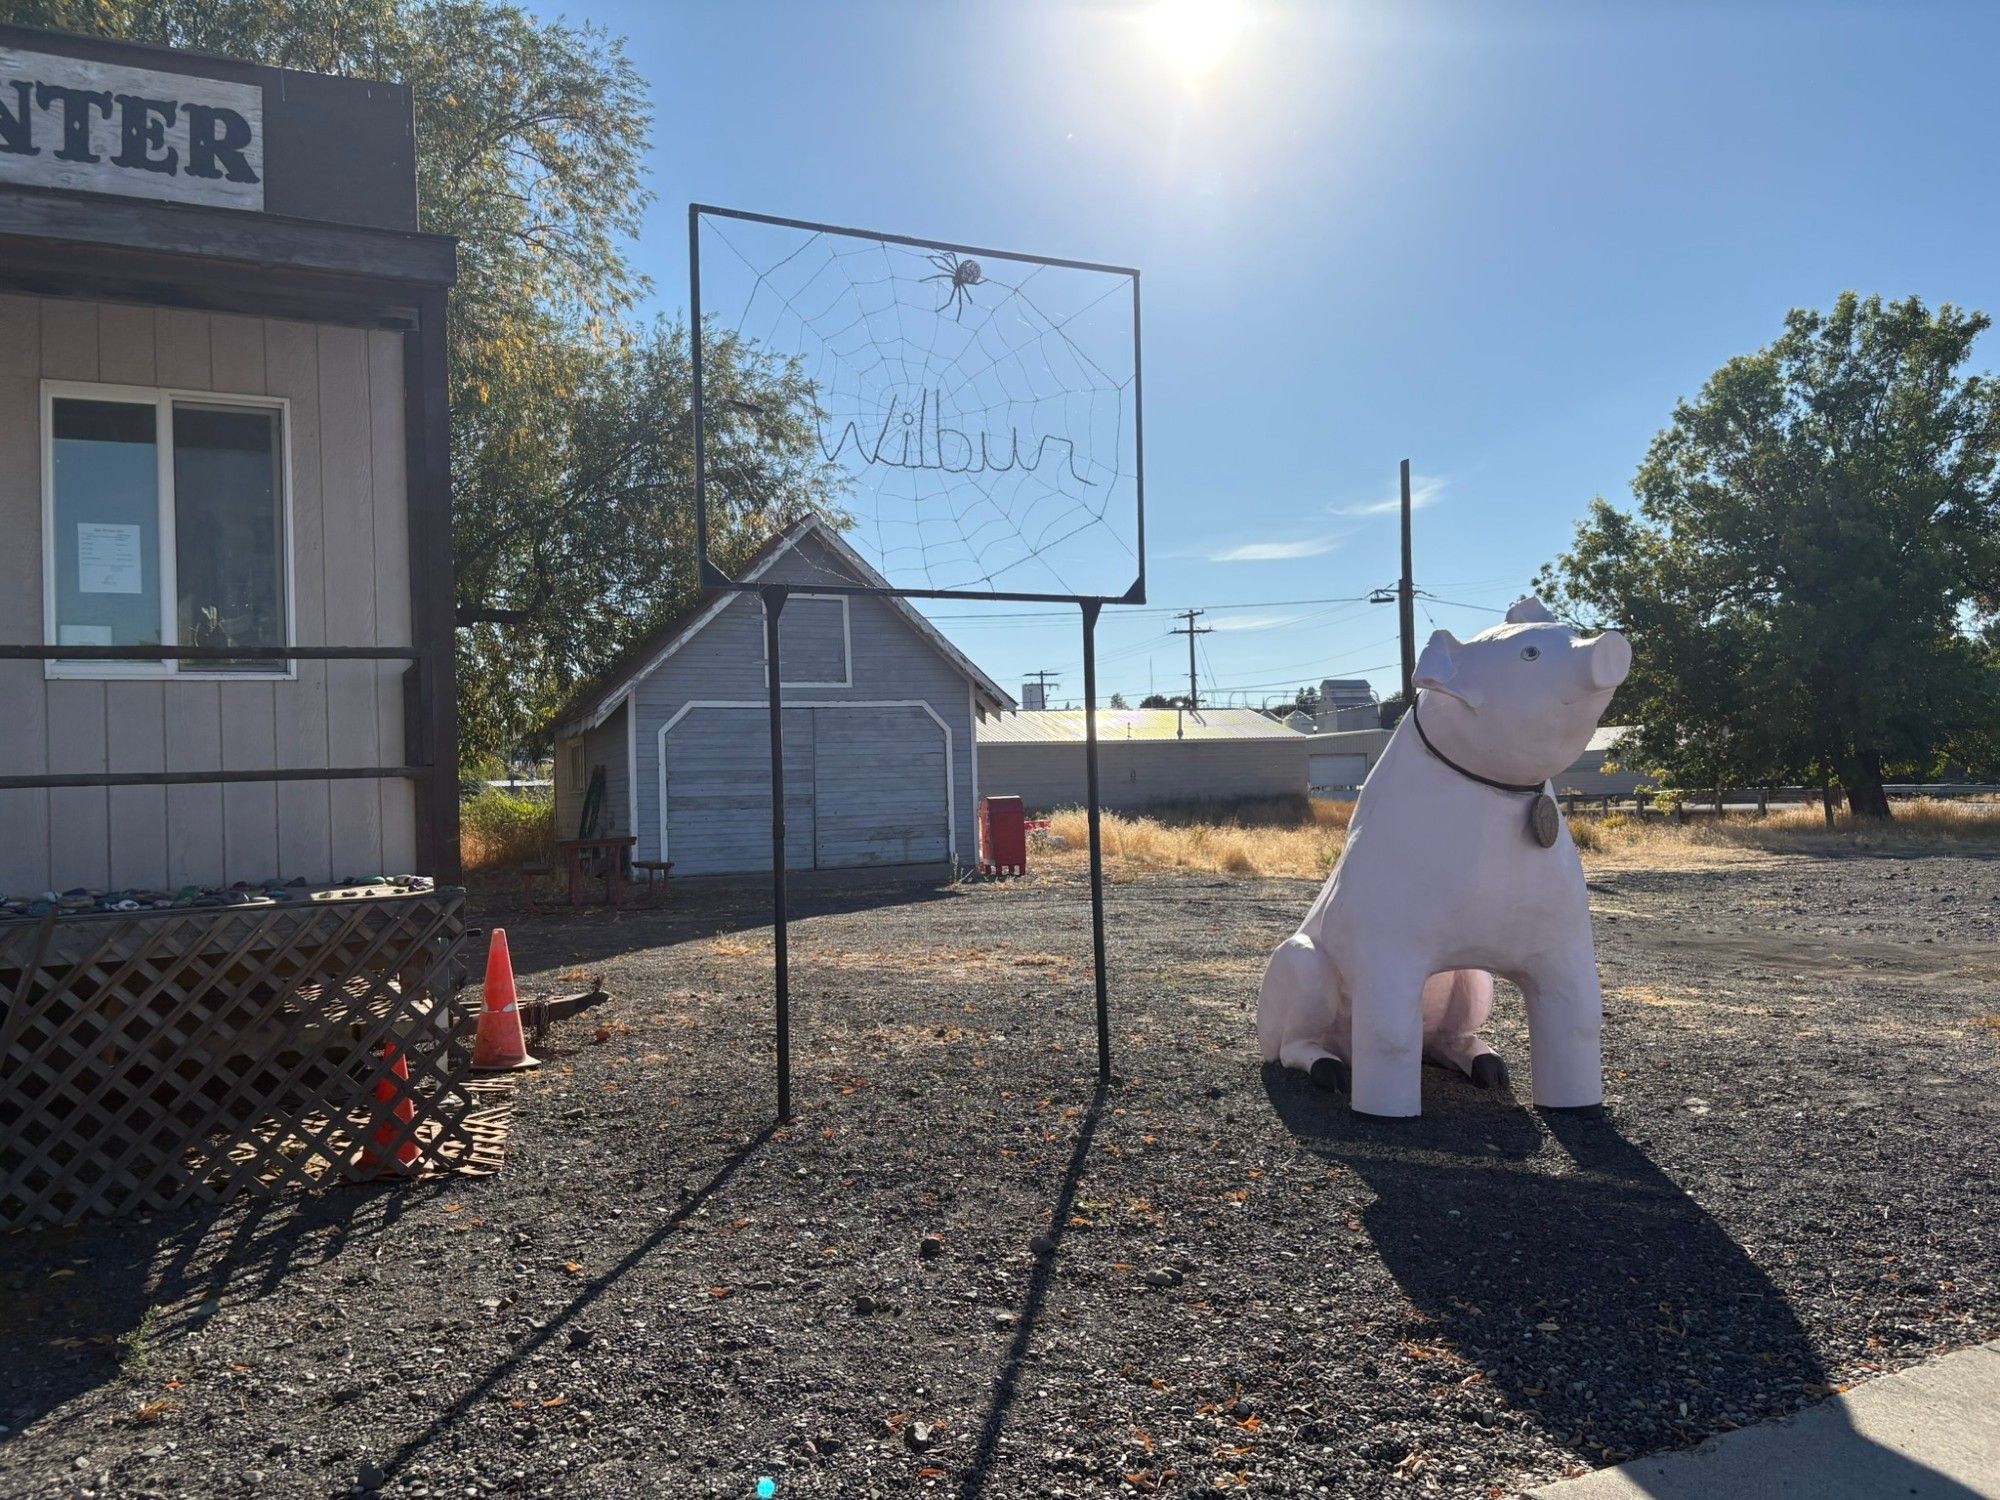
[{"x": 107, "y": 559}]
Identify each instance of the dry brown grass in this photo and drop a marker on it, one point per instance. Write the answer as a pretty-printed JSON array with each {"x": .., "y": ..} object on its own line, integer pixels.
[
  {"x": 1920, "y": 824},
  {"x": 1302, "y": 838},
  {"x": 1288, "y": 836}
]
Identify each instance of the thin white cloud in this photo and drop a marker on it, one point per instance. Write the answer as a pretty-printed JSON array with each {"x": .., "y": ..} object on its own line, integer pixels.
[
  {"x": 1276, "y": 551},
  {"x": 1253, "y": 622},
  {"x": 1424, "y": 493}
]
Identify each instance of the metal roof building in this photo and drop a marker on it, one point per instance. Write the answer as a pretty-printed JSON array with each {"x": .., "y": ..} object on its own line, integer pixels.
[{"x": 1146, "y": 756}]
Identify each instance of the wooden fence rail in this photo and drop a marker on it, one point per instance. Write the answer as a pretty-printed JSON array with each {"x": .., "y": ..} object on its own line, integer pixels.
[{"x": 1752, "y": 800}]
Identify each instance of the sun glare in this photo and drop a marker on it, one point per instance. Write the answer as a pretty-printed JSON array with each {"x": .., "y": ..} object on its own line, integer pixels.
[{"x": 1195, "y": 37}]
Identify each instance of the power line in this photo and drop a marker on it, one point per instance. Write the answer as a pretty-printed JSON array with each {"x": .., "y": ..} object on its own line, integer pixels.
[
  {"x": 1119, "y": 612},
  {"x": 1460, "y": 603},
  {"x": 1043, "y": 678},
  {"x": 1285, "y": 682}
]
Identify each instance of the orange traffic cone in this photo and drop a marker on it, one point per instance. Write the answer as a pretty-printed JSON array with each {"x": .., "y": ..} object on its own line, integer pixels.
[
  {"x": 387, "y": 1135},
  {"x": 500, "y": 1046}
]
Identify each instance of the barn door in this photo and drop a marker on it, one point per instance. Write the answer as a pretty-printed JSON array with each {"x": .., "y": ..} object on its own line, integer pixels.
[
  {"x": 716, "y": 790},
  {"x": 879, "y": 788}
]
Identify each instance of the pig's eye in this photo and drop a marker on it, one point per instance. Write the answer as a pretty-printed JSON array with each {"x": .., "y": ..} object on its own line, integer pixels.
[{"x": 1531, "y": 653}]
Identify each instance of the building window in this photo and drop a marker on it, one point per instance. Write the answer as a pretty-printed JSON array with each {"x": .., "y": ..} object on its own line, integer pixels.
[{"x": 164, "y": 523}]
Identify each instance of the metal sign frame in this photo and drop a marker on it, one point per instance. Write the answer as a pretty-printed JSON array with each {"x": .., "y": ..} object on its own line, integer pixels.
[
  {"x": 713, "y": 577},
  {"x": 774, "y": 595}
]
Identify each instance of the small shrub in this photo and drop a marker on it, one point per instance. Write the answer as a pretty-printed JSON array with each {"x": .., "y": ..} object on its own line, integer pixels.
[{"x": 498, "y": 829}]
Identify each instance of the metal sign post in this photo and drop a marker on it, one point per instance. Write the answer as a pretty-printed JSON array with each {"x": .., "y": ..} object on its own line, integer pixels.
[
  {"x": 774, "y": 597},
  {"x": 965, "y": 487},
  {"x": 1090, "y": 609}
]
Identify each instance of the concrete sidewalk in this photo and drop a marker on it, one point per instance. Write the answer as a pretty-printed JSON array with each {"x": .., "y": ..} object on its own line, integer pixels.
[{"x": 1931, "y": 1432}]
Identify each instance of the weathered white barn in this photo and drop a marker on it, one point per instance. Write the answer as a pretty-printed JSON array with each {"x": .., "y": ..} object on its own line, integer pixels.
[
  {"x": 881, "y": 758},
  {"x": 1146, "y": 756}
]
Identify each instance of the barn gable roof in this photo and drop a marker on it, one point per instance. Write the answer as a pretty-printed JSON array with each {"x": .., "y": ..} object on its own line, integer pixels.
[{"x": 596, "y": 701}]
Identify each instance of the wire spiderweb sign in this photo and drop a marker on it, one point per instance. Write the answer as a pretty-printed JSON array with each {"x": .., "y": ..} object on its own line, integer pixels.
[{"x": 979, "y": 409}]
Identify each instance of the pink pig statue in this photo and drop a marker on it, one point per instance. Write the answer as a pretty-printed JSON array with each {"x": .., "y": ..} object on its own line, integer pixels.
[{"x": 1458, "y": 866}]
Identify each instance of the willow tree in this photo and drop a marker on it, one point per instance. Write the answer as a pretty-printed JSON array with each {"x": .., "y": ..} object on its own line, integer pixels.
[{"x": 1811, "y": 575}]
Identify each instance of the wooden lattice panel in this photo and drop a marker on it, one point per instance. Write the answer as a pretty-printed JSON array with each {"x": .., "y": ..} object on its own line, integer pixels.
[{"x": 151, "y": 1058}]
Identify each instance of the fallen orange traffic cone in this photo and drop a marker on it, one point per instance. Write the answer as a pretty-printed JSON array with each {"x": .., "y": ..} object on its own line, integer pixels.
[
  {"x": 387, "y": 1135},
  {"x": 500, "y": 1046}
]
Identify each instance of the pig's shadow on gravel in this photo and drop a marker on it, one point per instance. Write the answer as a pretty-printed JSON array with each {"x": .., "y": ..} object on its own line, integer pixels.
[{"x": 1572, "y": 1273}]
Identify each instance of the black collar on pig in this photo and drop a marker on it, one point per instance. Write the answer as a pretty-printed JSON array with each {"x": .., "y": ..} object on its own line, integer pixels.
[{"x": 1542, "y": 820}]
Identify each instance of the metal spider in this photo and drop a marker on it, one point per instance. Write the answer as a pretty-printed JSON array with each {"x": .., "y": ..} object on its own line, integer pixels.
[{"x": 958, "y": 274}]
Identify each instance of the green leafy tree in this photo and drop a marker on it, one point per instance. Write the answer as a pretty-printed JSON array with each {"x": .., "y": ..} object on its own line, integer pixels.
[
  {"x": 1814, "y": 557},
  {"x": 570, "y": 551},
  {"x": 572, "y": 478}
]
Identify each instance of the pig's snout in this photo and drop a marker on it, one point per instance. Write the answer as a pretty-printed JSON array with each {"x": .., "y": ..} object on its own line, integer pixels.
[{"x": 1610, "y": 660}]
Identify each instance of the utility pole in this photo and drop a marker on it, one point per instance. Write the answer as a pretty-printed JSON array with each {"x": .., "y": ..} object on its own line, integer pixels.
[
  {"x": 1407, "y": 603},
  {"x": 1042, "y": 681},
  {"x": 1190, "y": 631}
]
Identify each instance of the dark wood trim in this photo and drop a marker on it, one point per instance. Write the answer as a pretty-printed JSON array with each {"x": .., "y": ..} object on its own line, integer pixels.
[
  {"x": 38, "y": 268},
  {"x": 431, "y": 690},
  {"x": 227, "y": 235},
  {"x": 206, "y": 778},
  {"x": 209, "y": 653}
]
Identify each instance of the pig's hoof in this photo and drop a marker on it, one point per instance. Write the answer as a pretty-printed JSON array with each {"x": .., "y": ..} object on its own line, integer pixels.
[
  {"x": 1329, "y": 1073},
  {"x": 1489, "y": 1071}
]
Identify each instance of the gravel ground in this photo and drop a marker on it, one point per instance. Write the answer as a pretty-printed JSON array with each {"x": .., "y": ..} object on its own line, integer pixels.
[{"x": 960, "y": 1273}]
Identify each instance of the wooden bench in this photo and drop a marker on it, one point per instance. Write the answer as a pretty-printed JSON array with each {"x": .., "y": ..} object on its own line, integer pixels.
[
  {"x": 664, "y": 868},
  {"x": 530, "y": 873}
]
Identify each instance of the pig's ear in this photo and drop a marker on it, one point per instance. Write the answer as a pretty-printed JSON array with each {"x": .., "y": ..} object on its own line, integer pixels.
[
  {"x": 1529, "y": 611},
  {"x": 1438, "y": 668}
]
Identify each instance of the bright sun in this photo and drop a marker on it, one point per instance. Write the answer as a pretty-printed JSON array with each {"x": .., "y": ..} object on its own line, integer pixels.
[{"x": 1195, "y": 36}]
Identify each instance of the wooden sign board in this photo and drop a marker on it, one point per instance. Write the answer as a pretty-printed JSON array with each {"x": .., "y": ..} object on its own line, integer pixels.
[{"x": 96, "y": 126}]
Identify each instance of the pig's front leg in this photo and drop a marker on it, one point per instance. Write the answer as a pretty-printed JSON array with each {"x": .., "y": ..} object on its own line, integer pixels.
[
  {"x": 1386, "y": 997},
  {"x": 1565, "y": 1026}
]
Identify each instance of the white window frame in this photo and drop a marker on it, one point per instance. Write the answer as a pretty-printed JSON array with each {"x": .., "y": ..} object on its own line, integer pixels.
[
  {"x": 846, "y": 644},
  {"x": 162, "y": 399}
]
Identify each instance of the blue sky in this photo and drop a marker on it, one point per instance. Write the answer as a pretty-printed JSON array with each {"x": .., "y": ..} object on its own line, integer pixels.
[{"x": 1499, "y": 240}]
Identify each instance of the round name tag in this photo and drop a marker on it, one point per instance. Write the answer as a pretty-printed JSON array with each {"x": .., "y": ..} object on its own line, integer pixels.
[{"x": 1544, "y": 821}]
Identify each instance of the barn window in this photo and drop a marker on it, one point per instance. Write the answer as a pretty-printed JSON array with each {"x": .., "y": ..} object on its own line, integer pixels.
[
  {"x": 165, "y": 522},
  {"x": 816, "y": 642}
]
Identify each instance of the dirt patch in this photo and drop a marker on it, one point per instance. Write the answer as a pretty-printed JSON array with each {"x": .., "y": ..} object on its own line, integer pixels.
[{"x": 961, "y": 1273}]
